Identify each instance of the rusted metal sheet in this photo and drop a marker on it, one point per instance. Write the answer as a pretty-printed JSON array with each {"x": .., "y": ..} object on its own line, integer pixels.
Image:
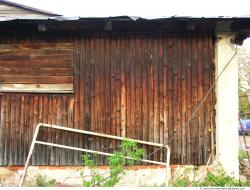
[{"x": 141, "y": 86}]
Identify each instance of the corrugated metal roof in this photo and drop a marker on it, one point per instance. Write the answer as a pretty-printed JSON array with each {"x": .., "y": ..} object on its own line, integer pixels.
[{"x": 131, "y": 18}]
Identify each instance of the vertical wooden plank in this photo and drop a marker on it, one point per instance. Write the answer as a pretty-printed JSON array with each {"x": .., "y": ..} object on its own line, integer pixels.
[
  {"x": 161, "y": 93},
  {"x": 194, "y": 125},
  {"x": 54, "y": 136},
  {"x": 145, "y": 90},
  {"x": 165, "y": 93},
  {"x": 183, "y": 97},
  {"x": 209, "y": 78},
  {"x": 92, "y": 89},
  {"x": 88, "y": 90},
  {"x": 206, "y": 107},
  {"x": 156, "y": 92},
  {"x": 70, "y": 136},
  {"x": 31, "y": 122},
  {"x": 114, "y": 95},
  {"x": 8, "y": 134},
  {"x": 26, "y": 124},
  {"x": 17, "y": 131},
  {"x": 133, "y": 89},
  {"x": 13, "y": 147},
  {"x": 138, "y": 87},
  {"x": 170, "y": 96},
  {"x": 9, "y": 129},
  {"x": 59, "y": 132},
  {"x": 76, "y": 97},
  {"x": 127, "y": 59},
  {"x": 100, "y": 87},
  {"x": 200, "y": 70},
  {"x": 123, "y": 88},
  {"x": 177, "y": 98},
  {"x": 104, "y": 93},
  {"x": 45, "y": 133},
  {"x": 119, "y": 92},
  {"x": 151, "y": 92},
  {"x": 40, "y": 120},
  {"x": 189, "y": 99},
  {"x": 82, "y": 92},
  {"x": 107, "y": 92},
  {"x": 19, "y": 125},
  {"x": 64, "y": 123}
]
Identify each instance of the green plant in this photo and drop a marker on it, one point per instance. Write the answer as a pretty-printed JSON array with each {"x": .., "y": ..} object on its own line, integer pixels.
[
  {"x": 42, "y": 182},
  {"x": 116, "y": 164},
  {"x": 181, "y": 182},
  {"x": 242, "y": 154},
  {"x": 219, "y": 180},
  {"x": 246, "y": 183}
]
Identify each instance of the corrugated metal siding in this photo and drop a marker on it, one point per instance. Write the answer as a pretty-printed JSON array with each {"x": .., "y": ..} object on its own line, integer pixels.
[{"x": 133, "y": 85}]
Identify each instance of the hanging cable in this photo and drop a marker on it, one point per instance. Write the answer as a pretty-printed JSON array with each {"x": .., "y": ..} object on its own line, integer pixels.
[{"x": 198, "y": 107}]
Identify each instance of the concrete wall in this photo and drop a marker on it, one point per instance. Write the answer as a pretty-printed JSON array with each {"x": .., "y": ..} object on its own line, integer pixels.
[
  {"x": 227, "y": 107},
  {"x": 136, "y": 176},
  {"x": 141, "y": 175}
]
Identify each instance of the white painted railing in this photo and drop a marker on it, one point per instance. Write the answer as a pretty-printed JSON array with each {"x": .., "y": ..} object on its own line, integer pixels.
[{"x": 35, "y": 141}]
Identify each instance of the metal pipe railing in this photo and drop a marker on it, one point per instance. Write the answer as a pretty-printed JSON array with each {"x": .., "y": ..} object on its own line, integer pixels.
[{"x": 34, "y": 141}]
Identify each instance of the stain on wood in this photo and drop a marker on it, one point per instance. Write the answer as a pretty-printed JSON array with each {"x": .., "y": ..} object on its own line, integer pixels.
[{"x": 141, "y": 86}]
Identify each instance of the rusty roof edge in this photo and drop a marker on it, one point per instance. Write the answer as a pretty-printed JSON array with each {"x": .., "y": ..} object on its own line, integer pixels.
[{"x": 121, "y": 18}]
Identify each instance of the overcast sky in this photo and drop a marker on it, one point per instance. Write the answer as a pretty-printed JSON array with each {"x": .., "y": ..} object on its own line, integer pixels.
[{"x": 143, "y": 8}]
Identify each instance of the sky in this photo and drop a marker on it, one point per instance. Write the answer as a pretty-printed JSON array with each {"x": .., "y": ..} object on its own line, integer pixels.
[{"x": 144, "y": 8}]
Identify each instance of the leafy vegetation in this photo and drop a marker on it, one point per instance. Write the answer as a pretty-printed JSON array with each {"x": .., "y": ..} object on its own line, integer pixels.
[
  {"x": 41, "y": 181},
  {"x": 181, "y": 182},
  {"x": 244, "y": 80},
  {"x": 244, "y": 105},
  {"x": 242, "y": 154},
  {"x": 220, "y": 179},
  {"x": 116, "y": 164}
]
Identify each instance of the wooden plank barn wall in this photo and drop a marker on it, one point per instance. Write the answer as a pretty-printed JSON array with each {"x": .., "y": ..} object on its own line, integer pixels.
[{"x": 142, "y": 86}]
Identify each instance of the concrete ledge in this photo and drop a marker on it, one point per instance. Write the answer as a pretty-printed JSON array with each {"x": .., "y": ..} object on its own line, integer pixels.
[{"x": 136, "y": 176}]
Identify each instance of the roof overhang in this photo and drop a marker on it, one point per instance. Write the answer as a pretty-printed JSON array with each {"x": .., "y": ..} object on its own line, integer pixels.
[{"x": 239, "y": 26}]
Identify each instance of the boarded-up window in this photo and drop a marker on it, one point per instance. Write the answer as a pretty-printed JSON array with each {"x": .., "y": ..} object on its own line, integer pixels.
[{"x": 36, "y": 67}]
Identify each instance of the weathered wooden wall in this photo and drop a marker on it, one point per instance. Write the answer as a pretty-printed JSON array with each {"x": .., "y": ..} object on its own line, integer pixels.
[
  {"x": 36, "y": 67},
  {"x": 143, "y": 86}
]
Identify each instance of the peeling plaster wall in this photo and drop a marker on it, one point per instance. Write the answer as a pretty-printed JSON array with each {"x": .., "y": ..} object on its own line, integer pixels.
[
  {"x": 227, "y": 107},
  {"x": 136, "y": 176}
]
